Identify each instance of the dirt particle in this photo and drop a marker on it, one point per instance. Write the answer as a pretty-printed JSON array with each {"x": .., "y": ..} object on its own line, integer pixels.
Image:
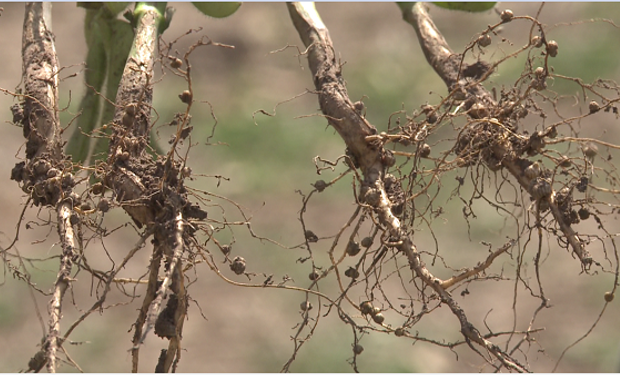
[
  {"x": 37, "y": 362},
  {"x": 551, "y": 132},
  {"x": 476, "y": 70},
  {"x": 582, "y": 185},
  {"x": 160, "y": 367},
  {"x": 185, "y": 132},
  {"x": 18, "y": 114},
  {"x": 17, "y": 173},
  {"x": 594, "y": 106},
  {"x": 74, "y": 219},
  {"x": 584, "y": 214},
  {"x": 165, "y": 326},
  {"x": 311, "y": 237},
  {"x": 193, "y": 211}
]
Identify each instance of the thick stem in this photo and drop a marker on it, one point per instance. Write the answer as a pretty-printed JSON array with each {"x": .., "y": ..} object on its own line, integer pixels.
[
  {"x": 45, "y": 176},
  {"x": 444, "y": 61},
  {"x": 353, "y": 129},
  {"x": 333, "y": 97},
  {"x": 132, "y": 118},
  {"x": 173, "y": 354},
  {"x": 136, "y": 88},
  {"x": 40, "y": 75},
  {"x": 142, "y": 315},
  {"x": 174, "y": 255},
  {"x": 69, "y": 246},
  {"x": 172, "y": 286}
]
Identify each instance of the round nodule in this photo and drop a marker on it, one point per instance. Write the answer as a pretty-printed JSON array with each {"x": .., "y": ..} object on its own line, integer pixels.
[
  {"x": 305, "y": 306},
  {"x": 366, "y": 307},
  {"x": 238, "y": 265},
  {"x": 358, "y": 349},
  {"x": 484, "y": 40},
  {"x": 507, "y": 15}
]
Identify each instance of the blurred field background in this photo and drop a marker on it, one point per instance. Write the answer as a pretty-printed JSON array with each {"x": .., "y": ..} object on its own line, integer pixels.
[{"x": 267, "y": 159}]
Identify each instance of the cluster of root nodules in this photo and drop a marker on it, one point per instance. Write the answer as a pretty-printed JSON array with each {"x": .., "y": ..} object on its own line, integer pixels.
[
  {"x": 152, "y": 192},
  {"x": 524, "y": 154},
  {"x": 49, "y": 175}
]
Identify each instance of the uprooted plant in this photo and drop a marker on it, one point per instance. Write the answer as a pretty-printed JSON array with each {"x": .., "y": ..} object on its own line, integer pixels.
[{"x": 515, "y": 150}]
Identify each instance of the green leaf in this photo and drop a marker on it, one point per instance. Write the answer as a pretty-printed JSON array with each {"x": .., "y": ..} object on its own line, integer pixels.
[
  {"x": 404, "y": 6},
  {"x": 467, "y": 7},
  {"x": 109, "y": 41},
  {"x": 217, "y": 9},
  {"x": 96, "y": 67},
  {"x": 168, "y": 13},
  {"x": 89, "y": 4},
  {"x": 116, "y": 7},
  {"x": 117, "y": 44}
]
